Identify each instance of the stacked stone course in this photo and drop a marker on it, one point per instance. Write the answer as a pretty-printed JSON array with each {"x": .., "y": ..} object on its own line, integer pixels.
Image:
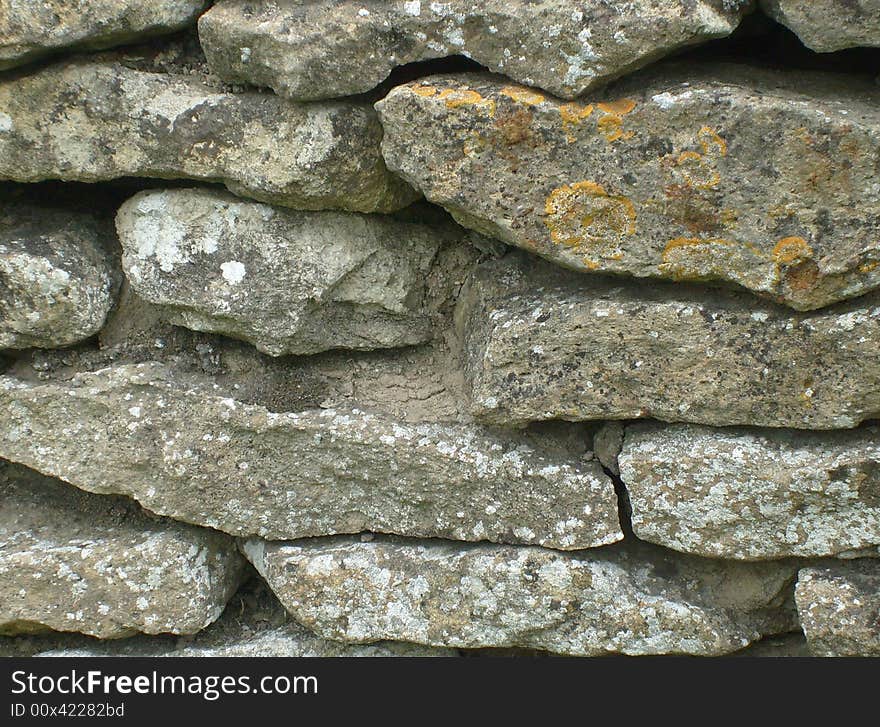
[{"x": 578, "y": 352}]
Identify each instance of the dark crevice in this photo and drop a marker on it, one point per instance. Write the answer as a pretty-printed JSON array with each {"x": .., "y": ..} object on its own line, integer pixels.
[
  {"x": 624, "y": 506},
  {"x": 420, "y": 69}
]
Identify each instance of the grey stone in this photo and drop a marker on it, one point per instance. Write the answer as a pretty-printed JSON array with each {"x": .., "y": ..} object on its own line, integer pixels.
[
  {"x": 182, "y": 448},
  {"x": 630, "y": 598},
  {"x": 720, "y": 174},
  {"x": 91, "y": 121},
  {"x": 829, "y": 25},
  {"x": 754, "y": 493},
  {"x": 311, "y": 49},
  {"x": 541, "y": 343},
  {"x": 57, "y": 278},
  {"x": 288, "y": 282},
  {"x": 254, "y": 624},
  {"x": 31, "y": 29},
  {"x": 839, "y": 608},
  {"x": 72, "y": 561}
]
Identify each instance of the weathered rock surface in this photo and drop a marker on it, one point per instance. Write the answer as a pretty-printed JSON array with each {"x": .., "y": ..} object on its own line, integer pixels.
[
  {"x": 725, "y": 174},
  {"x": 91, "y": 121},
  {"x": 632, "y": 599},
  {"x": 751, "y": 493},
  {"x": 30, "y": 29},
  {"x": 829, "y": 25},
  {"x": 57, "y": 281},
  {"x": 312, "y": 50},
  {"x": 183, "y": 449},
  {"x": 254, "y": 624},
  {"x": 288, "y": 282},
  {"x": 839, "y": 608},
  {"x": 72, "y": 561},
  {"x": 542, "y": 343}
]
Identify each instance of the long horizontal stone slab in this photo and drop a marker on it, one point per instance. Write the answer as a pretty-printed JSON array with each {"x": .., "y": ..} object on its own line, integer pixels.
[
  {"x": 57, "y": 278},
  {"x": 254, "y": 625},
  {"x": 35, "y": 28},
  {"x": 182, "y": 448},
  {"x": 829, "y": 25},
  {"x": 632, "y": 599},
  {"x": 92, "y": 121},
  {"x": 541, "y": 343},
  {"x": 719, "y": 174},
  {"x": 289, "y": 282},
  {"x": 754, "y": 493},
  {"x": 838, "y": 605},
  {"x": 324, "y": 48},
  {"x": 73, "y": 561}
]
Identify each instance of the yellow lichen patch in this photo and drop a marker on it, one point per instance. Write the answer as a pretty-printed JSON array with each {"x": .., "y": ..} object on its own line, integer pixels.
[
  {"x": 424, "y": 91},
  {"x": 585, "y": 217},
  {"x": 697, "y": 171},
  {"x": 573, "y": 115},
  {"x": 690, "y": 242},
  {"x": 791, "y": 249},
  {"x": 611, "y": 124},
  {"x": 523, "y": 95},
  {"x": 621, "y": 107},
  {"x": 729, "y": 217},
  {"x": 711, "y": 143},
  {"x": 869, "y": 267},
  {"x": 612, "y": 128},
  {"x": 458, "y": 97},
  {"x": 695, "y": 258}
]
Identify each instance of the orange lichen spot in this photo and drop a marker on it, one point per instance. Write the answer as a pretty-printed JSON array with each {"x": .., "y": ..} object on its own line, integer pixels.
[
  {"x": 573, "y": 115},
  {"x": 585, "y": 217},
  {"x": 792, "y": 249},
  {"x": 711, "y": 143},
  {"x": 696, "y": 258},
  {"x": 523, "y": 95},
  {"x": 691, "y": 242},
  {"x": 457, "y": 97},
  {"x": 869, "y": 267},
  {"x": 612, "y": 128},
  {"x": 697, "y": 171},
  {"x": 424, "y": 90},
  {"x": 611, "y": 124},
  {"x": 621, "y": 107}
]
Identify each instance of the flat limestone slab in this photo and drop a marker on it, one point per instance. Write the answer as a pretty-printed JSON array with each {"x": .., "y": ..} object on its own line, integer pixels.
[
  {"x": 183, "y": 448},
  {"x": 289, "y": 282},
  {"x": 838, "y": 605},
  {"x": 624, "y": 599},
  {"x": 93, "y": 121},
  {"x": 829, "y": 25},
  {"x": 312, "y": 49},
  {"x": 754, "y": 493},
  {"x": 542, "y": 343},
  {"x": 34, "y": 28},
  {"x": 719, "y": 174},
  {"x": 57, "y": 279},
  {"x": 72, "y": 561}
]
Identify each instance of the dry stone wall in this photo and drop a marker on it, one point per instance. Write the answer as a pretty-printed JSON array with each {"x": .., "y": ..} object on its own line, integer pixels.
[{"x": 410, "y": 329}]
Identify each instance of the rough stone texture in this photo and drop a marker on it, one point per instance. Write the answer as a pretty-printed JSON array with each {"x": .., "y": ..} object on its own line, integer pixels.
[
  {"x": 829, "y": 25},
  {"x": 545, "y": 344},
  {"x": 288, "y": 282},
  {"x": 72, "y": 561},
  {"x": 183, "y": 449},
  {"x": 91, "y": 121},
  {"x": 31, "y": 29},
  {"x": 311, "y": 50},
  {"x": 57, "y": 279},
  {"x": 751, "y": 493},
  {"x": 725, "y": 174},
  {"x": 839, "y": 608},
  {"x": 631, "y": 599},
  {"x": 254, "y": 624}
]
